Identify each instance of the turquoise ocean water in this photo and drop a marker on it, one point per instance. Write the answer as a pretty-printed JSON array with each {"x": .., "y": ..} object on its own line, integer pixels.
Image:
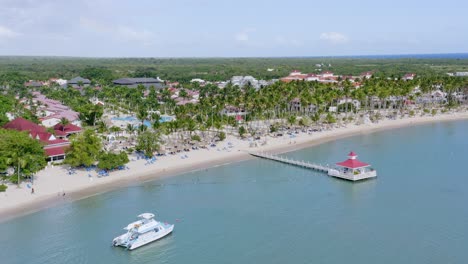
[{"x": 259, "y": 211}]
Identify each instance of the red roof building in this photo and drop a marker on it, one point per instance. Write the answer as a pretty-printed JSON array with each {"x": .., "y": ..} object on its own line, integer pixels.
[
  {"x": 22, "y": 124},
  {"x": 55, "y": 152},
  {"x": 68, "y": 129},
  {"x": 53, "y": 147},
  {"x": 297, "y": 77},
  {"x": 352, "y": 162},
  {"x": 352, "y": 169}
]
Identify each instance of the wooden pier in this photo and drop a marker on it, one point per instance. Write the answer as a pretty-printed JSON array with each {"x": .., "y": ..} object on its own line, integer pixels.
[
  {"x": 303, "y": 164},
  {"x": 317, "y": 167}
]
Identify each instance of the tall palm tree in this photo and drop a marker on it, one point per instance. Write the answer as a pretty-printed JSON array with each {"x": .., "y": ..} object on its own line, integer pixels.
[
  {"x": 142, "y": 115},
  {"x": 20, "y": 160}
]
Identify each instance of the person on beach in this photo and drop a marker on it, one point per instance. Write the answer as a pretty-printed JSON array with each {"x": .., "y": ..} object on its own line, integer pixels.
[{"x": 32, "y": 190}]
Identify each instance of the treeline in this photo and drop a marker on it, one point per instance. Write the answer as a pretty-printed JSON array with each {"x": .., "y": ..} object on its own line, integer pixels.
[{"x": 103, "y": 70}]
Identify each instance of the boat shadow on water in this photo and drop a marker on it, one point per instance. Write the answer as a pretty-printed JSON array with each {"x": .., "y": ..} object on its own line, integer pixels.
[{"x": 161, "y": 246}]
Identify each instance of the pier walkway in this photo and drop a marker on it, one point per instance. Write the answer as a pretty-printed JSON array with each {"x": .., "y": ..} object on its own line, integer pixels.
[
  {"x": 317, "y": 167},
  {"x": 302, "y": 164}
]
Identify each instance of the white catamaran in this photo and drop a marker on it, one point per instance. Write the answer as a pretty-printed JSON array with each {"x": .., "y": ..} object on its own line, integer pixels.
[{"x": 142, "y": 232}]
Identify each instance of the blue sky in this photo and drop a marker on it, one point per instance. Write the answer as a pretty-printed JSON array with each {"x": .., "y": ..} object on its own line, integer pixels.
[{"x": 241, "y": 28}]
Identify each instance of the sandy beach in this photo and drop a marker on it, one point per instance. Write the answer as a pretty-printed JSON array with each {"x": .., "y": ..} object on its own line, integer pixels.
[{"x": 53, "y": 182}]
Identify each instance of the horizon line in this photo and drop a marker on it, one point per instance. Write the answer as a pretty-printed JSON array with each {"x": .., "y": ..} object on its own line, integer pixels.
[{"x": 464, "y": 55}]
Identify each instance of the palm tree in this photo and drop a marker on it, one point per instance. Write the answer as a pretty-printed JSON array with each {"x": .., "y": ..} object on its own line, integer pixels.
[
  {"x": 142, "y": 115},
  {"x": 292, "y": 120},
  {"x": 21, "y": 160},
  {"x": 63, "y": 122}
]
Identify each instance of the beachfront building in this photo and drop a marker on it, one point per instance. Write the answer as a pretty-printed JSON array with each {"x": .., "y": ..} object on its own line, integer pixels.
[
  {"x": 355, "y": 103},
  {"x": 230, "y": 110},
  {"x": 135, "y": 82},
  {"x": 295, "y": 105},
  {"x": 352, "y": 169},
  {"x": 54, "y": 147},
  {"x": 79, "y": 82}
]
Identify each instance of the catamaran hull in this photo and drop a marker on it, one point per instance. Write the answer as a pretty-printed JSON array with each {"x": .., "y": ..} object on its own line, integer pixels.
[{"x": 145, "y": 239}]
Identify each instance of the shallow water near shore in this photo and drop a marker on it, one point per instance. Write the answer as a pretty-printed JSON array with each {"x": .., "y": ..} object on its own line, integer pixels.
[{"x": 259, "y": 211}]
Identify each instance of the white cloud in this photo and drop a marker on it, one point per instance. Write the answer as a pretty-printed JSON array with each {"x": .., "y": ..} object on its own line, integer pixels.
[
  {"x": 244, "y": 35},
  {"x": 334, "y": 37},
  {"x": 6, "y": 33}
]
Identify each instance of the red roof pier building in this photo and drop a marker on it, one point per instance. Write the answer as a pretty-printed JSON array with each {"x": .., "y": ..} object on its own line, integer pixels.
[{"x": 353, "y": 169}]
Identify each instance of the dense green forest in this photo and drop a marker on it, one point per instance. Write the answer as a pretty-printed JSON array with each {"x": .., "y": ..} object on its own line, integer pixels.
[{"x": 215, "y": 69}]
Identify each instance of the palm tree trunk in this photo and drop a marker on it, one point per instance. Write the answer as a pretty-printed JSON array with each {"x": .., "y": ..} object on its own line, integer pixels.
[{"x": 18, "y": 174}]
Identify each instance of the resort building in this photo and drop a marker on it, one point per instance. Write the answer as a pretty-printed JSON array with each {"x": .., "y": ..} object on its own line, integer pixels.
[
  {"x": 135, "y": 82},
  {"x": 295, "y": 73},
  {"x": 355, "y": 103},
  {"x": 243, "y": 81},
  {"x": 201, "y": 82},
  {"x": 294, "y": 76},
  {"x": 58, "y": 81},
  {"x": 64, "y": 131},
  {"x": 461, "y": 74},
  {"x": 33, "y": 84},
  {"x": 409, "y": 76},
  {"x": 327, "y": 74},
  {"x": 78, "y": 82},
  {"x": 230, "y": 110},
  {"x": 50, "y": 111},
  {"x": 184, "y": 96},
  {"x": 312, "y": 77},
  {"x": 296, "y": 106},
  {"x": 366, "y": 75},
  {"x": 325, "y": 77},
  {"x": 54, "y": 147}
]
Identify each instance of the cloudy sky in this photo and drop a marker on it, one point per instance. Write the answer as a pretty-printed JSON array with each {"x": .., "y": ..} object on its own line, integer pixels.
[{"x": 222, "y": 28}]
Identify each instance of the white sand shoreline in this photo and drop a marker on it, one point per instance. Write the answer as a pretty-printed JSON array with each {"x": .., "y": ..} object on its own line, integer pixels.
[{"x": 51, "y": 182}]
